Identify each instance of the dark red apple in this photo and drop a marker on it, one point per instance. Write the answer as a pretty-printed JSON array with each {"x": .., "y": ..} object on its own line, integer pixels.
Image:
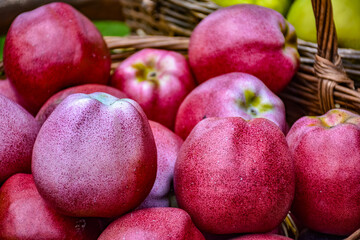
[
  {"x": 51, "y": 48},
  {"x": 58, "y": 97},
  {"x": 95, "y": 156},
  {"x": 24, "y": 215},
  {"x": 155, "y": 224},
  {"x": 235, "y": 176},
  {"x": 18, "y": 131}
]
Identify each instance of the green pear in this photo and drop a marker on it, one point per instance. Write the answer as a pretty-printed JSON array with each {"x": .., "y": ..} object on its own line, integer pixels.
[
  {"x": 282, "y": 6},
  {"x": 346, "y": 17}
]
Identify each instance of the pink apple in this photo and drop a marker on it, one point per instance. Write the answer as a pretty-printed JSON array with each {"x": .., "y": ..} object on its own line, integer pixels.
[
  {"x": 51, "y": 48},
  {"x": 8, "y": 90},
  {"x": 245, "y": 38},
  {"x": 168, "y": 145},
  {"x": 95, "y": 156},
  {"x": 326, "y": 152},
  {"x": 155, "y": 224},
  {"x": 58, "y": 97},
  {"x": 235, "y": 176},
  {"x": 262, "y": 237},
  {"x": 25, "y": 215},
  {"x": 18, "y": 131},
  {"x": 158, "y": 80},
  {"x": 229, "y": 95}
]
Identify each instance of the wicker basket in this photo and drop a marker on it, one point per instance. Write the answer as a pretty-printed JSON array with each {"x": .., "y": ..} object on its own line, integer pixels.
[{"x": 328, "y": 77}]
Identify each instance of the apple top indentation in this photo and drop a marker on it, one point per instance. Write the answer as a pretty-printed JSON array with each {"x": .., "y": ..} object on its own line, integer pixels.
[
  {"x": 253, "y": 104},
  {"x": 104, "y": 98},
  {"x": 336, "y": 117},
  {"x": 146, "y": 71}
]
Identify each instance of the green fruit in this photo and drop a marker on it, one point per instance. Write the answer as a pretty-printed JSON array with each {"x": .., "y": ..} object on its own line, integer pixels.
[
  {"x": 281, "y": 6},
  {"x": 346, "y": 17}
]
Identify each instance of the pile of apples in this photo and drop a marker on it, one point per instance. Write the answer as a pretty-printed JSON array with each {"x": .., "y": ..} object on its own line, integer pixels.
[{"x": 166, "y": 147}]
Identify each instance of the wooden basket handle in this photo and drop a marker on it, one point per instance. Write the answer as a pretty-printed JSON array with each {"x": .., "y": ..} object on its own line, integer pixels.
[{"x": 328, "y": 65}]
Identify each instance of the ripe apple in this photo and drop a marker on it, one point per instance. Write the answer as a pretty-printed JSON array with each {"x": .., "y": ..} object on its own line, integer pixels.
[
  {"x": 18, "y": 131},
  {"x": 346, "y": 17},
  {"x": 58, "y": 97},
  {"x": 262, "y": 237},
  {"x": 8, "y": 90},
  {"x": 51, "y": 48},
  {"x": 158, "y": 80},
  {"x": 168, "y": 145},
  {"x": 163, "y": 223},
  {"x": 230, "y": 95},
  {"x": 326, "y": 151},
  {"x": 282, "y": 6},
  {"x": 235, "y": 176},
  {"x": 245, "y": 38},
  {"x": 25, "y": 215},
  {"x": 95, "y": 156}
]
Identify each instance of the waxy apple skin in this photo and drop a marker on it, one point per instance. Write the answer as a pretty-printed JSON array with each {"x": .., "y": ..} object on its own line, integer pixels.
[
  {"x": 262, "y": 237},
  {"x": 163, "y": 223},
  {"x": 168, "y": 145},
  {"x": 326, "y": 151},
  {"x": 95, "y": 156},
  {"x": 51, "y": 48},
  {"x": 158, "y": 80},
  {"x": 18, "y": 131},
  {"x": 245, "y": 38},
  {"x": 25, "y": 215},
  {"x": 229, "y": 95},
  {"x": 58, "y": 97},
  {"x": 234, "y": 176}
]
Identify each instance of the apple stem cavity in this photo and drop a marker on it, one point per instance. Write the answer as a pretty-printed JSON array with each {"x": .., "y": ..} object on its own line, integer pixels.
[
  {"x": 146, "y": 72},
  {"x": 252, "y": 104}
]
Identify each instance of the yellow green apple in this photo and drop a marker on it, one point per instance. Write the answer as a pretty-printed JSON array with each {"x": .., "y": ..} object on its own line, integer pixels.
[
  {"x": 282, "y": 6},
  {"x": 346, "y": 17}
]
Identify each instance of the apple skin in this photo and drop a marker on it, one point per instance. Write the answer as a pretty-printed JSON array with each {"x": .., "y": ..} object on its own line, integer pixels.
[
  {"x": 95, "y": 156},
  {"x": 326, "y": 152},
  {"x": 18, "y": 132},
  {"x": 163, "y": 223},
  {"x": 168, "y": 145},
  {"x": 262, "y": 237},
  {"x": 235, "y": 176},
  {"x": 158, "y": 80},
  {"x": 230, "y": 95},
  {"x": 8, "y": 90},
  {"x": 58, "y": 97},
  {"x": 245, "y": 38},
  {"x": 51, "y": 48},
  {"x": 25, "y": 215}
]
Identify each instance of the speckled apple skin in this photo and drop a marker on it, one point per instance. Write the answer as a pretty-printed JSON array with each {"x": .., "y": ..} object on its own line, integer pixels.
[
  {"x": 25, "y": 215},
  {"x": 262, "y": 237},
  {"x": 51, "y": 48},
  {"x": 168, "y": 145},
  {"x": 8, "y": 90},
  {"x": 58, "y": 97},
  {"x": 163, "y": 223},
  {"x": 245, "y": 38},
  {"x": 234, "y": 176},
  {"x": 219, "y": 96},
  {"x": 18, "y": 131},
  {"x": 160, "y": 101},
  {"x": 95, "y": 160},
  {"x": 327, "y": 161}
]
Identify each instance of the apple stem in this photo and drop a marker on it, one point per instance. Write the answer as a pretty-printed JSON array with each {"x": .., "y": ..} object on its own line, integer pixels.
[{"x": 354, "y": 236}]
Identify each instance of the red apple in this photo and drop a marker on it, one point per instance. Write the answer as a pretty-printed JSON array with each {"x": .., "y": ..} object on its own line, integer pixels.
[
  {"x": 25, "y": 215},
  {"x": 235, "y": 176},
  {"x": 10, "y": 92},
  {"x": 262, "y": 237},
  {"x": 245, "y": 38},
  {"x": 326, "y": 152},
  {"x": 158, "y": 80},
  {"x": 18, "y": 131},
  {"x": 229, "y": 95},
  {"x": 155, "y": 224},
  {"x": 95, "y": 156},
  {"x": 168, "y": 145},
  {"x": 58, "y": 97},
  {"x": 51, "y": 48}
]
